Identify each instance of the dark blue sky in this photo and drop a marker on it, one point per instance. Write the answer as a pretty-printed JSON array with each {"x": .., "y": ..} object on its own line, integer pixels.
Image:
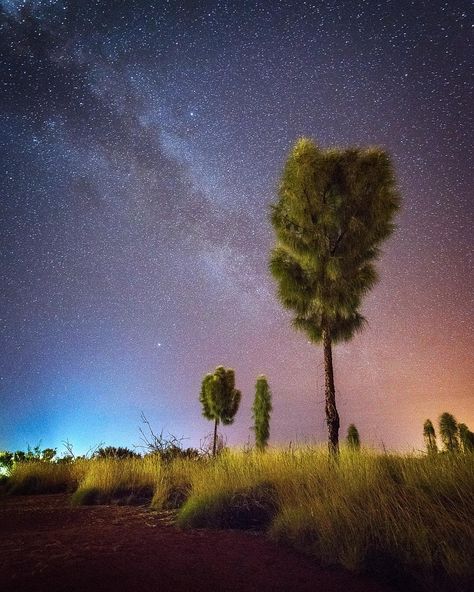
[{"x": 140, "y": 146}]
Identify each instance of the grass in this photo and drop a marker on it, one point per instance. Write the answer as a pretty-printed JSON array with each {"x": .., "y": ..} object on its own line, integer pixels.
[
  {"x": 408, "y": 519},
  {"x": 125, "y": 481},
  {"x": 44, "y": 477}
]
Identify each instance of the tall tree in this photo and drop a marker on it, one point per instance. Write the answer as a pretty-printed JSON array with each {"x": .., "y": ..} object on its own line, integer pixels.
[
  {"x": 466, "y": 438},
  {"x": 429, "y": 436},
  {"x": 219, "y": 398},
  {"x": 261, "y": 410},
  {"x": 334, "y": 209},
  {"x": 448, "y": 429},
  {"x": 353, "y": 438}
]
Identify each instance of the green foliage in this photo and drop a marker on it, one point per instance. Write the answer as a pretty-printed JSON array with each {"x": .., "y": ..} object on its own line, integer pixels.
[
  {"x": 335, "y": 208},
  {"x": 353, "y": 438},
  {"x": 448, "y": 429},
  {"x": 261, "y": 411},
  {"x": 429, "y": 436},
  {"x": 219, "y": 398},
  {"x": 466, "y": 438}
]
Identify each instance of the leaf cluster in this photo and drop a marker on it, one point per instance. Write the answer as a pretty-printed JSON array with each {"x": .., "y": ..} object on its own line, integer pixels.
[
  {"x": 448, "y": 430},
  {"x": 219, "y": 398},
  {"x": 334, "y": 209},
  {"x": 429, "y": 436}
]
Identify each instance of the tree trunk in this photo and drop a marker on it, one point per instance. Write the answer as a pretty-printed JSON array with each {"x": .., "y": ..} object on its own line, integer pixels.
[
  {"x": 332, "y": 416},
  {"x": 214, "y": 443}
]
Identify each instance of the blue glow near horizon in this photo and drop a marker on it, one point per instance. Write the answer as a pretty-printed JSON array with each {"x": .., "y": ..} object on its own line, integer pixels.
[{"x": 82, "y": 413}]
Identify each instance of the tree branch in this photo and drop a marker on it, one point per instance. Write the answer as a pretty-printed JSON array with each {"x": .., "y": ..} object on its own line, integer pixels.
[{"x": 338, "y": 240}]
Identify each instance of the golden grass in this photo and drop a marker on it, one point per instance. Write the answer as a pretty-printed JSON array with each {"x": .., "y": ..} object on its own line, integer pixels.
[
  {"x": 44, "y": 477},
  {"x": 402, "y": 516},
  {"x": 129, "y": 480},
  {"x": 399, "y": 515}
]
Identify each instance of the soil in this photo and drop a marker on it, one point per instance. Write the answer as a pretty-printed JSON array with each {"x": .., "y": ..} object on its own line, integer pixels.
[{"x": 48, "y": 545}]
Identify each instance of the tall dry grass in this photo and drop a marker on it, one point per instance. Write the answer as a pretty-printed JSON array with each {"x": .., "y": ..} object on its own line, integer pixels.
[
  {"x": 44, "y": 477},
  {"x": 407, "y": 518},
  {"x": 403, "y": 517},
  {"x": 112, "y": 480}
]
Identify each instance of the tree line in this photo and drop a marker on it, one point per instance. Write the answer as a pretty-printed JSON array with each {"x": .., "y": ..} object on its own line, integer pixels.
[{"x": 455, "y": 437}]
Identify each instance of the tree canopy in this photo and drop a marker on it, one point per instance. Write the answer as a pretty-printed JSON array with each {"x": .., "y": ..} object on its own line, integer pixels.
[{"x": 335, "y": 208}]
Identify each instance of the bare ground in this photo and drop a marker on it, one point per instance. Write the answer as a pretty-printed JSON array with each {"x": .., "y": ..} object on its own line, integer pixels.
[{"x": 48, "y": 545}]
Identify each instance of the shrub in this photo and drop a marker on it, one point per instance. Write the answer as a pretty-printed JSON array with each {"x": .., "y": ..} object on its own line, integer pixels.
[{"x": 115, "y": 452}]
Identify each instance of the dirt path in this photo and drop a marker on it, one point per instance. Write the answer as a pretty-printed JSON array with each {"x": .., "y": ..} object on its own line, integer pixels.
[{"x": 47, "y": 545}]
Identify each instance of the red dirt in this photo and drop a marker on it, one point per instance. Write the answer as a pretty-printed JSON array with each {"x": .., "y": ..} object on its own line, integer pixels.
[{"x": 47, "y": 545}]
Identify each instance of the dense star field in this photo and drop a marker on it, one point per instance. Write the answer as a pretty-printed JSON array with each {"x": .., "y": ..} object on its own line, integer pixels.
[{"x": 140, "y": 147}]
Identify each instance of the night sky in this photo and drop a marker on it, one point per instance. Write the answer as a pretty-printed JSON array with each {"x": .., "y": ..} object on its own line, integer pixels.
[{"x": 141, "y": 144}]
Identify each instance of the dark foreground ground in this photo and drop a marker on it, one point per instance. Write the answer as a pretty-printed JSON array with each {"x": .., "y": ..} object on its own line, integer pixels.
[{"x": 47, "y": 545}]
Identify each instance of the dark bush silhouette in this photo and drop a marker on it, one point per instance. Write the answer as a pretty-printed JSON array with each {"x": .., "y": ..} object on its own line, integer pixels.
[
  {"x": 168, "y": 447},
  {"x": 115, "y": 452},
  {"x": 353, "y": 438},
  {"x": 448, "y": 429},
  {"x": 429, "y": 436}
]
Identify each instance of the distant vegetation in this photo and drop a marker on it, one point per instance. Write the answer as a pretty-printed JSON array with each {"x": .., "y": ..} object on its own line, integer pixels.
[
  {"x": 219, "y": 398},
  {"x": 261, "y": 410},
  {"x": 353, "y": 438},
  {"x": 383, "y": 514},
  {"x": 454, "y": 437}
]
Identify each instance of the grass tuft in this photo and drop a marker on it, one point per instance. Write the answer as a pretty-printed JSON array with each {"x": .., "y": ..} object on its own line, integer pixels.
[
  {"x": 44, "y": 477},
  {"x": 127, "y": 481},
  {"x": 252, "y": 508}
]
